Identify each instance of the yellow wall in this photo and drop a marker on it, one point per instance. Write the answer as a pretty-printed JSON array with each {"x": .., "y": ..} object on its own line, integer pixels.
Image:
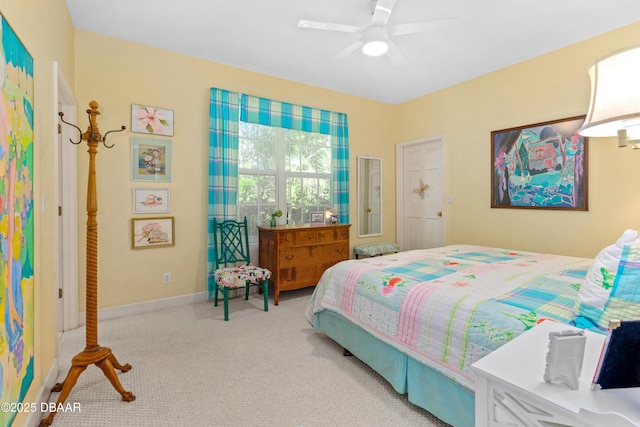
[
  {"x": 45, "y": 28},
  {"x": 548, "y": 87},
  {"x": 116, "y": 74}
]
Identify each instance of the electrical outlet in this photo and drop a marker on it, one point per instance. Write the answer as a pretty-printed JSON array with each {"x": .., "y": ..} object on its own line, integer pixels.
[{"x": 166, "y": 278}]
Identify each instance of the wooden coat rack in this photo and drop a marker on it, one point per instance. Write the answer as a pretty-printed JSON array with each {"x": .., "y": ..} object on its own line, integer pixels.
[{"x": 93, "y": 354}]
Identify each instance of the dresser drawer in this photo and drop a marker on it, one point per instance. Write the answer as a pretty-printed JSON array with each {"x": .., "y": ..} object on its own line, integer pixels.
[
  {"x": 333, "y": 235},
  {"x": 302, "y": 275},
  {"x": 336, "y": 252},
  {"x": 313, "y": 254},
  {"x": 291, "y": 256},
  {"x": 307, "y": 237},
  {"x": 298, "y": 238}
]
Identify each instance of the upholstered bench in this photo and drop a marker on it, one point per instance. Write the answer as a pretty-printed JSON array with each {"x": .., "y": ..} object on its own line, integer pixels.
[{"x": 375, "y": 249}]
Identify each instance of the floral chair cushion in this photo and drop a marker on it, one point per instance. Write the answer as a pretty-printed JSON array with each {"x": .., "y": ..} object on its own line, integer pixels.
[{"x": 236, "y": 277}]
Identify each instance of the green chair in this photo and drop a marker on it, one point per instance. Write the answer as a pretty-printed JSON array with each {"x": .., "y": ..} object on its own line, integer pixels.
[{"x": 233, "y": 268}]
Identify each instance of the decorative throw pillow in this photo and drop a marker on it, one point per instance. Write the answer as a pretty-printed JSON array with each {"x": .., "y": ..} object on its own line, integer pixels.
[{"x": 611, "y": 288}]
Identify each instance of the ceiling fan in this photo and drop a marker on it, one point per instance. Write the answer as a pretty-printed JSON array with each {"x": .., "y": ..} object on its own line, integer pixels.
[{"x": 376, "y": 37}]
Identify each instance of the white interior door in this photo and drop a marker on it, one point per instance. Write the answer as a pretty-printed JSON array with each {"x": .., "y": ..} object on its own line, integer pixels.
[
  {"x": 420, "y": 190},
  {"x": 66, "y": 294}
]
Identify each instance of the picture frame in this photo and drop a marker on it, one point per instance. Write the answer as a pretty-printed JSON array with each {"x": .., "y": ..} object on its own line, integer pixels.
[
  {"x": 157, "y": 232},
  {"x": 150, "y": 160},
  {"x": 316, "y": 218},
  {"x": 540, "y": 166},
  {"x": 151, "y": 200},
  {"x": 151, "y": 120}
]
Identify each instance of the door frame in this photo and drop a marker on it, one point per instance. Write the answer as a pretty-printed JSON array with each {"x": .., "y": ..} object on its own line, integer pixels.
[
  {"x": 400, "y": 147},
  {"x": 67, "y": 197}
]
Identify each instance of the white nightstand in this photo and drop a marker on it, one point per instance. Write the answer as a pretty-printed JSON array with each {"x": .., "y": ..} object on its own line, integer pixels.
[{"x": 511, "y": 391}]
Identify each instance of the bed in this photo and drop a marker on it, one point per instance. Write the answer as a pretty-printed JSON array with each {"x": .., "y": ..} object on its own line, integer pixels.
[{"x": 421, "y": 318}]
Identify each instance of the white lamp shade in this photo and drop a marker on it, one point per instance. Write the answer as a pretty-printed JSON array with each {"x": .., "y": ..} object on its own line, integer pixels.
[{"x": 615, "y": 95}]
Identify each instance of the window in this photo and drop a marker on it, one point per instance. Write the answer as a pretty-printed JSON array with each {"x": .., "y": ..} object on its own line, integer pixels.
[{"x": 282, "y": 169}]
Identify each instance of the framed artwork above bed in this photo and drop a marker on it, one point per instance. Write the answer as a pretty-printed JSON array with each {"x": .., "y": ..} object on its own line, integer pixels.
[{"x": 540, "y": 166}]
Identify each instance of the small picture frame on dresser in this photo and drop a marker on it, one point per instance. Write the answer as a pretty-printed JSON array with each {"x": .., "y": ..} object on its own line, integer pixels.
[{"x": 316, "y": 218}]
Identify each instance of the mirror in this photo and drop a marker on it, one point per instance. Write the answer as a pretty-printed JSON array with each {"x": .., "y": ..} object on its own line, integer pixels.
[{"x": 369, "y": 196}]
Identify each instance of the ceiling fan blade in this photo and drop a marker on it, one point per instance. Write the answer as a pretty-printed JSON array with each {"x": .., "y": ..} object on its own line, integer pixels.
[
  {"x": 395, "y": 55},
  {"x": 348, "y": 50},
  {"x": 315, "y": 25},
  {"x": 424, "y": 26},
  {"x": 382, "y": 12}
]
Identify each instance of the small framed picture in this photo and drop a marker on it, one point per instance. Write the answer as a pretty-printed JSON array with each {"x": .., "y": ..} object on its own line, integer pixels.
[
  {"x": 152, "y": 232},
  {"x": 151, "y": 200},
  {"x": 151, "y": 120},
  {"x": 150, "y": 160},
  {"x": 316, "y": 218}
]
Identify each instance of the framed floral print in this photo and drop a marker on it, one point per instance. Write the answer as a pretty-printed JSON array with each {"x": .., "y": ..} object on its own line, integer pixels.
[
  {"x": 151, "y": 120},
  {"x": 150, "y": 160}
]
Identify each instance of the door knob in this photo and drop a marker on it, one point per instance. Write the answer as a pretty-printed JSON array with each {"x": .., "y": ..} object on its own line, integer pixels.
[{"x": 439, "y": 213}]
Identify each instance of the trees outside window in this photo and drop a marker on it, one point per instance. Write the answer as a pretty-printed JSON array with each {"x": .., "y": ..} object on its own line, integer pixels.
[{"x": 282, "y": 169}]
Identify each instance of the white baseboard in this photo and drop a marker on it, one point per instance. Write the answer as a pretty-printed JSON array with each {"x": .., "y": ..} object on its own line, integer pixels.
[
  {"x": 43, "y": 394},
  {"x": 144, "y": 307}
]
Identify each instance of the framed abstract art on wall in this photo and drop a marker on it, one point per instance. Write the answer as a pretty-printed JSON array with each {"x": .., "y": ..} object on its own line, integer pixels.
[
  {"x": 540, "y": 166},
  {"x": 16, "y": 222}
]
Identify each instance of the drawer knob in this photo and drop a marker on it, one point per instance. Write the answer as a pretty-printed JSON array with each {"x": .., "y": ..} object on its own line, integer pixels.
[
  {"x": 286, "y": 238},
  {"x": 339, "y": 250},
  {"x": 289, "y": 257},
  {"x": 324, "y": 235}
]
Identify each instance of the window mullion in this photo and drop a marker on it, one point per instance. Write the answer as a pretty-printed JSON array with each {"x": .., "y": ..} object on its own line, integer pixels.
[{"x": 281, "y": 179}]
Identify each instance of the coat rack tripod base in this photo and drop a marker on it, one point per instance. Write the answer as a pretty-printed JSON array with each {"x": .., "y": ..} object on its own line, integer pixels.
[
  {"x": 104, "y": 359},
  {"x": 93, "y": 354}
]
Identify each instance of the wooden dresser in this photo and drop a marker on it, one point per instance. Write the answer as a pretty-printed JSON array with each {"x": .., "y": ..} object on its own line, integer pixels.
[{"x": 297, "y": 255}]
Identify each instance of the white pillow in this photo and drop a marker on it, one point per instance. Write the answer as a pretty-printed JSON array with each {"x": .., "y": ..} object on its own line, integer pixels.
[{"x": 599, "y": 281}]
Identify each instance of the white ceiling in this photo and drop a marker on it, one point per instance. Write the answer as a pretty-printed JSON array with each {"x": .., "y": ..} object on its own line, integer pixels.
[{"x": 263, "y": 36}]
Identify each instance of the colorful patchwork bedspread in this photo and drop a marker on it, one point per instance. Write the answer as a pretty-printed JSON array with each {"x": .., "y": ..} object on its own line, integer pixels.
[{"x": 448, "y": 307}]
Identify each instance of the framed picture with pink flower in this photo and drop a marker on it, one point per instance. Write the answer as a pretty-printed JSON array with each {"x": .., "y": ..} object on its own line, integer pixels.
[
  {"x": 150, "y": 160},
  {"x": 151, "y": 120}
]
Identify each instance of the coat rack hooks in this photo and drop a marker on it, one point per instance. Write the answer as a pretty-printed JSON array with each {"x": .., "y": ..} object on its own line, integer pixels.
[{"x": 92, "y": 135}]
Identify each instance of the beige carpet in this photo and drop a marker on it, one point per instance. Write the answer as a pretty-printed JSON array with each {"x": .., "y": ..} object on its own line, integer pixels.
[{"x": 190, "y": 368}]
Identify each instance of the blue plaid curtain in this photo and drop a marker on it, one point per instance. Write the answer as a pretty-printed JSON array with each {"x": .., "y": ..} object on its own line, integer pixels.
[
  {"x": 225, "y": 112},
  {"x": 282, "y": 114},
  {"x": 223, "y": 167}
]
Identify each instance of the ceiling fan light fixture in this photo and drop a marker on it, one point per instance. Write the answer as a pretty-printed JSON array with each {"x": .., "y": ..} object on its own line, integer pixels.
[
  {"x": 375, "y": 41},
  {"x": 375, "y": 47}
]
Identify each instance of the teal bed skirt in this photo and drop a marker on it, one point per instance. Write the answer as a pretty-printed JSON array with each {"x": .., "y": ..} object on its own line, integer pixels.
[{"x": 424, "y": 386}]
